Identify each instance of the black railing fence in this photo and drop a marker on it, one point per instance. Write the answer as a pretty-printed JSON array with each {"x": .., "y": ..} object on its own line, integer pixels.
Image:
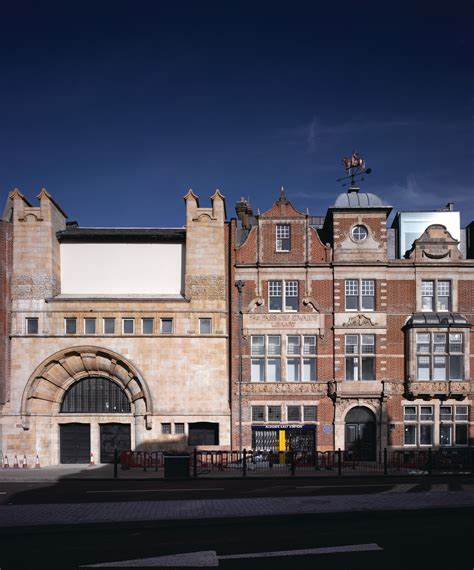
[{"x": 254, "y": 463}]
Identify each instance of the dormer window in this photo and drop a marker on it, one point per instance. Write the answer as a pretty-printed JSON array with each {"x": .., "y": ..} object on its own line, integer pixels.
[{"x": 283, "y": 237}]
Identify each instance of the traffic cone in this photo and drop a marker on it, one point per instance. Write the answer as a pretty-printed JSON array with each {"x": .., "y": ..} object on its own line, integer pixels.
[
  {"x": 37, "y": 464},
  {"x": 92, "y": 462},
  {"x": 25, "y": 463},
  {"x": 15, "y": 463},
  {"x": 5, "y": 462}
]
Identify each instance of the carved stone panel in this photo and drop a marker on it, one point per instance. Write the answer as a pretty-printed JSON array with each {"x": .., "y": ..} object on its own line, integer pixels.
[{"x": 284, "y": 388}]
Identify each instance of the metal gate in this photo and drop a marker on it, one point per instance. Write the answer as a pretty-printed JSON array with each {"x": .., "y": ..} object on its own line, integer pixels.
[
  {"x": 265, "y": 439},
  {"x": 113, "y": 436},
  {"x": 75, "y": 443}
]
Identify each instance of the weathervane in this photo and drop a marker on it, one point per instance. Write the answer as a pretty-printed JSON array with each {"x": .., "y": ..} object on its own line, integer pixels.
[{"x": 355, "y": 166}]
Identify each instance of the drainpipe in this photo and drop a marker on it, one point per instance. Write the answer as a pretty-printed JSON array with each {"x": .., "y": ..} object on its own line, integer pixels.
[{"x": 240, "y": 284}]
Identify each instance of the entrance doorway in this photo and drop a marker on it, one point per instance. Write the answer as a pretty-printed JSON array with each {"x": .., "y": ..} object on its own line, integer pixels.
[
  {"x": 75, "y": 443},
  {"x": 360, "y": 433},
  {"x": 113, "y": 436}
]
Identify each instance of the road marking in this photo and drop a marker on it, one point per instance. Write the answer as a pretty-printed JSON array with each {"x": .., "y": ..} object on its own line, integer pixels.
[
  {"x": 439, "y": 488},
  {"x": 156, "y": 490},
  {"x": 3, "y": 492},
  {"x": 209, "y": 558},
  {"x": 402, "y": 488},
  {"x": 467, "y": 487}
]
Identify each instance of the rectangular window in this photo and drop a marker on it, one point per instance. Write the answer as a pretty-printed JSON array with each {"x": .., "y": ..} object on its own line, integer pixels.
[
  {"x": 205, "y": 326},
  {"x": 128, "y": 326},
  {"x": 31, "y": 325},
  {"x": 360, "y": 294},
  {"x": 409, "y": 413},
  {"x": 179, "y": 429},
  {"x": 446, "y": 413},
  {"x": 283, "y": 296},
  {"x": 283, "y": 237},
  {"x": 426, "y": 434},
  {"x": 293, "y": 413},
  {"x": 89, "y": 326},
  {"x": 70, "y": 325},
  {"x": 445, "y": 434},
  {"x": 436, "y": 295},
  {"x": 147, "y": 325},
  {"x": 166, "y": 326},
  {"x": 309, "y": 413},
  {"x": 265, "y": 361},
  {"x": 360, "y": 357},
  {"x": 439, "y": 357},
  {"x": 461, "y": 434},
  {"x": 166, "y": 429},
  {"x": 109, "y": 325},
  {"x": 409, "y": 434},
  {"x": 274, "y": 413},
  {"x": 258, "y": 413}
]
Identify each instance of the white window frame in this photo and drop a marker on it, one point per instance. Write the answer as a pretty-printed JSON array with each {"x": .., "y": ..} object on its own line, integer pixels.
[
  {"x": 282, "y": 235},
  {"x": 358, "y": 355},
  {"x": 259, "y": 406},
  {"x": 453, "y": 421},
  {"x": 430, "y": 353},
  {"x": 166, "y": 319},
  {"x": 295, "y": 407},
  {"x": 358, "y": 285},
  {"x": 123, "y": 325},
  {"x": 302, "y": 356},
  {"x": 29, "y": 320},
  {"x": 286, "y": 287},
  {"x": 431, "y": 289},
  {"x": 265, "y": 358},
  {"x": 203, "y": 320}
]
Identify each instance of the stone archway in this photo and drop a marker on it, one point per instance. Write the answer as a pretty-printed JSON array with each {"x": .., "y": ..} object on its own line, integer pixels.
[{"x": 48, "y": 384}]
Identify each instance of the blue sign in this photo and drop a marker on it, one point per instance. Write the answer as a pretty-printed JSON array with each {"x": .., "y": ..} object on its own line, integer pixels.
[{"x": 327, "y": 428}]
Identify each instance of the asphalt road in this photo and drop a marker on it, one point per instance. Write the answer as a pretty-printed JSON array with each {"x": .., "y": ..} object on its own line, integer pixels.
[
  {"x": 418, "y": 539},
  {"x": 84, "y": 491}
]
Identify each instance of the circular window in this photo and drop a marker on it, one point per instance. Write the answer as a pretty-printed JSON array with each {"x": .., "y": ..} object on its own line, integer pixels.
[{"x": 359, "y": 233}]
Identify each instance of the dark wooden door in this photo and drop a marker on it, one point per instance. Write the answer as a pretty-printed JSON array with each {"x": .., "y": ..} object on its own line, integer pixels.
[
  {"x": 360, "y": 439},
  {"x": 113, "y": 436},
  {"x": 75, "y": 443}
]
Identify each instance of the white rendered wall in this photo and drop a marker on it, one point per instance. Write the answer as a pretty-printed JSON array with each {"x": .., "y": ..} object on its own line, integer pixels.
[{"x": 121, "y": 269}]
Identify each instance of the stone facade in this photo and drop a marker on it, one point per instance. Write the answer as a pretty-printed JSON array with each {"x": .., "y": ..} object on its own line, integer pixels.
[{"x": 173, "y": 374}]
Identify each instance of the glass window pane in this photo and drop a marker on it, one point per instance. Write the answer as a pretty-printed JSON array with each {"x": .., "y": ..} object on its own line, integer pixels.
[
  {"x": 352, "y": 287},
  {"x": 409, "y": 412},
  {"x": 291, "y": 295},
  {"x": 455, "y": 342},
  {"x": 274, "y": 413},
  {"x": 352, "y": 343},
  {"x": 439, "y": 343},
  {"x": 456, "y": 368},
  {"x": 368, "y": 368},
  {"x": 445, "y": 434},
  {"x": 128, "y": 326},
  {"x": 309, "y": 369},
  {"x": 409, "y": 435},
  {"x": 273, "y": 345},
  {"x": 426, "y": 434},
  {"x": 89, "y": 326},
  {"x": 309, "y": 413},
  {"x": 166, "y": 326},
  {"x": 275, "y": 295},
  {"x": 178, "y": 428},
  {"x": 293, "y": 345},
  {"x": 258, "y": 413},
  {"x": 309, "y": 345},
  {"x": 443, "y": 292},
  {"x": 109, "y": 326},
  {"x": 461, "y": 434},
  {"x": 205, "y": 326},
  {"x": 423, "y": 342},
  {"x": 426, "y": 413},
  {"x": 147, "y": 326},
  {"x": 368, "y": 344},
  {"x": 70, "y": 326},
  {"x": 461, "y": 412},
  {"x": 32, "y": 326},
  {"x": 257, "y": 370},
  {"x": 273, "y": 370},
  {"x": 352, "y": 368},
  {"x": 446, "y": 413},
  {"x": 427, "y": 288},
  {"x": 368, "y": 303},
  {"x": 423, "y": 368},
  {"x": 258, "y": 345},
  {"x": 439, "y": 368},
  {"x": 351, "y": 303},
  {"x": 166, "y": 429},
  {"x": 293, "y": 370},
  {"x": 294, "y": 413}
]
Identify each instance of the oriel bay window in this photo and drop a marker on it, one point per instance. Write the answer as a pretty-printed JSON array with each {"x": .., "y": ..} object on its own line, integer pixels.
[
  {"x": 301, "y": 358},
  {"x": 439, "y": 356},
  {"x": 266, "y": 358},
  {"x": 360, "y": 294},
  {"x": 360, "y": 357},
  {"x": 283, "y": 295}
]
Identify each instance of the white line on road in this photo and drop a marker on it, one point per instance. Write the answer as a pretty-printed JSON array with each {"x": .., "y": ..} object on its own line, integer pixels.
[
  {"x": 156, "y": 490},
  {"x": 439, "y": 487},
  {"x": 209, "y": 558},
  {"x": 341, "y": 486}
]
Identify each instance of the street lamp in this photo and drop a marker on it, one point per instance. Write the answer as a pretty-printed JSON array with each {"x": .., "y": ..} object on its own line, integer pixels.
[{"x": 240, "y": 285}]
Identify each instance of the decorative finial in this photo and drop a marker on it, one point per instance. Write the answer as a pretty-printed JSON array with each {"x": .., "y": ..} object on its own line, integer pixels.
[{"x": 282, "y": 199}]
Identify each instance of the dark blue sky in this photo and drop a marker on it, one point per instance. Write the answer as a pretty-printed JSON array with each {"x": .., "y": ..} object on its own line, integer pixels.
[{"x": 118, "y": 107}]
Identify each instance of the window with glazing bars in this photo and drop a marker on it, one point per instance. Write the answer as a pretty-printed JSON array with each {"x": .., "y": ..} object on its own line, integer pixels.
[
  {"x": 439, "y": 356},
  {"x": 283, "y": 237},
  {"x": 265, "y": 358},
  {"x": 436, "y": 295},
  {"x": 301, "y": 358},
  {"x": 283, "y": 295},
  {"x": 360, "y": 294},
  {"x": 360, "y": 357},
  {"x": 95, "y": 395}
]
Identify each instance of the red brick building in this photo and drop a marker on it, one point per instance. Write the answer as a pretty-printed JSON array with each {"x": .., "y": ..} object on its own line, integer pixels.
[{"x": 342, "y": 340}]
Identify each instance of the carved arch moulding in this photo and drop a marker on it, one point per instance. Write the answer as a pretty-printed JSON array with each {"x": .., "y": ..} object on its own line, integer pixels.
[{"x": 49, "y": 382}]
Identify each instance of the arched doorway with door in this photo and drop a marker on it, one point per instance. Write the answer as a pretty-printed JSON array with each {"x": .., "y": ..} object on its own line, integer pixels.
[{"x": 360, "y": 433}]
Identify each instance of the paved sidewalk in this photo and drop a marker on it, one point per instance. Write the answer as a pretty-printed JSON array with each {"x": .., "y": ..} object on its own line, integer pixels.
[{"x": 65, "y": 514}]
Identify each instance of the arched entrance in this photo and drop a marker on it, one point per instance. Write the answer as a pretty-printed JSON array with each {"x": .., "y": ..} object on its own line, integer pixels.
[{"x": 360, "y": 433}]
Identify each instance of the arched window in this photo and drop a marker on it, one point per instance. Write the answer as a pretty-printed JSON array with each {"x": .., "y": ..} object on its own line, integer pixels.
[{"x": 95, "y": 395}]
